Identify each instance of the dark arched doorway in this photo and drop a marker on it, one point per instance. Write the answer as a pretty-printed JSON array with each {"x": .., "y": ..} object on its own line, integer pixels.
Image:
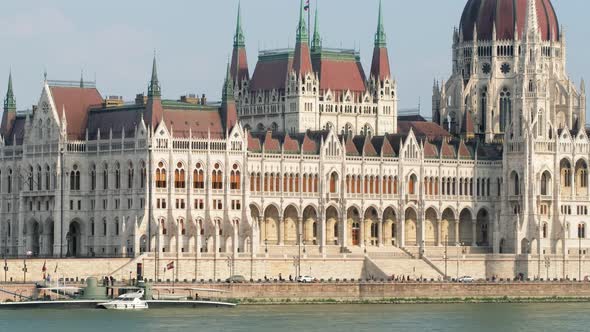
[{"x": 73, "y": 238}]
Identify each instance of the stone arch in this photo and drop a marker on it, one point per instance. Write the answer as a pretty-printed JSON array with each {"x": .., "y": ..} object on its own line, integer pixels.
[
  {"x": 33, "y": 234},
  {"x": 74, "y": 239},
  {"x": 270, "y": 225},
  {"x": 291, "y": 219},
  {"x": 430, "y": 227},
  {"x": 447, "y": 225},
  {"x": 353, "y": 222},
  {"x": 565, "y": 173},
  {"x": 514, "y": 183},
  {"x": 525, "y": 246},
  {"x": 310, "y": 225},
  {"x": 411, "y": 227},
  {"x": 332, "y": 225},
  {"x": 546, "y": 183},
  {"x": 390, "y": 226},
  {"x": 466, "y": 227},
  {"x": 483, "y": 228},
  {"x": 371, "y": 225},
  {"x": 581, "y": 177}
]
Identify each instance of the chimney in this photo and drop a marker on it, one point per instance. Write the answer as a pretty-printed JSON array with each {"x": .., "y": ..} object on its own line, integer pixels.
[{"x": 203, "y": 100}]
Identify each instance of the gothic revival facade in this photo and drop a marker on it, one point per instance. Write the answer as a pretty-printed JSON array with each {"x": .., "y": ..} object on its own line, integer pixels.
[{"x": 310, "y": 150}]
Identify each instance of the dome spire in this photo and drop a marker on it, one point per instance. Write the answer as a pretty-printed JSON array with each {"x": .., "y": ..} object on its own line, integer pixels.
[
  {"x": 532, "y": 25},
  {"x": 380, "y": 36}
]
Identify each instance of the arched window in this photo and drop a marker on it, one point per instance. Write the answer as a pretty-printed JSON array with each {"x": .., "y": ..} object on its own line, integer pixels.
[
  {"x": 545, "y": 183},
  {"x": 333, "y": 182},
  {"x": 198, "y": 177},
  {"x": 47, "y": 177},
  {"x": 75, "y": 178},
  {"x": 367, "y": 130},
  {"x": 40, "y": 178},
  {"x": 581, "y": 231},
  {"x": 515, "y": 184},
  {"x": 181, "y": 225},
  {"x": 544, "y": 230},
  {"x": 9, "y": 181},
  {"x": 161, "y": 176},
  {"x": 30, "y": 180},
  {"x": 505, "y": 109},
  {"x": 116, "y": 227},
  {"x": 236, "y": 179},
  {"x": 117, "y": 176},
  {"x": 104, "y": 227},
  {"x": 374, "y": 229},
  {"x": 143, "y": 175},
  {"x": 130, "y": 176},
  {"x": 92, "y": 177},
  {"x": 217, "y": 177},
  {"x": 105, "y": 177},
  {"x": 412, "y": 185},
  {"x": 163, "y": 227},
  {"x": 179, "y": 177}
]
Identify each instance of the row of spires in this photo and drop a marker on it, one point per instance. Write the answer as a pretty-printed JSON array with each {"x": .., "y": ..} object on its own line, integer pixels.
[{"x": 302, "y": 61}]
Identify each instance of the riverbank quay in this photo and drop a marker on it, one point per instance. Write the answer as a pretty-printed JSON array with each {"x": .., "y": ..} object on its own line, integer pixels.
[{"x": 358, "y": 292}]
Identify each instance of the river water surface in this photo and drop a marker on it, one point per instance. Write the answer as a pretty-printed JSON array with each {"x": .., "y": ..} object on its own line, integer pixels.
[{"x": 303, "y": 318}]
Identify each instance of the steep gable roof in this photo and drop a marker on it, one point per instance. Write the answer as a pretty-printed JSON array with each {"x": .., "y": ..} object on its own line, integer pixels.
[{"x": 76, "y": 102}]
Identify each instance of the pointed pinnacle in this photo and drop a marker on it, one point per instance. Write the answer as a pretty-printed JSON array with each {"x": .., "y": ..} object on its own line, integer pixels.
[
  {"x": 380, "y": 37},
  {"x": 239, "y": 39}
]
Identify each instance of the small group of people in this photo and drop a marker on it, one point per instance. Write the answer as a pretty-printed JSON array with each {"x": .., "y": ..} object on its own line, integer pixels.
[
  {"x": 401, "y": 278},
  {"x": 108, "y": 281}
]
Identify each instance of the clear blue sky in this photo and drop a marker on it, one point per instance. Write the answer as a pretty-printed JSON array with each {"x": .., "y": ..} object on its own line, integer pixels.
[{"x": 116, "y": 39}]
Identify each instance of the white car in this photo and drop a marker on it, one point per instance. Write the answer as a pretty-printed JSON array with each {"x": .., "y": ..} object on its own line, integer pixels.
[
  {"x": 305, "y": 279},
  {"x": 466, "y": 279}
]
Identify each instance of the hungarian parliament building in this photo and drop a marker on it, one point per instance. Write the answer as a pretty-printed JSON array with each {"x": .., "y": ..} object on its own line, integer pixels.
[{"x": 309, "y": 149}]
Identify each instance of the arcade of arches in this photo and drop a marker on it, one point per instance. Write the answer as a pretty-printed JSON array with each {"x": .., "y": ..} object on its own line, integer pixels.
[{"x": 370, "y": 227}]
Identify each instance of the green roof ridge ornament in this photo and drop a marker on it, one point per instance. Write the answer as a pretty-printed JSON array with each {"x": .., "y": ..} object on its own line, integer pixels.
[
  {"x": 239, "y": 38},
  {"x": 302, "y": 27},
  {"x": 154, "y": 89},
  {"x": 316, "y": 43},
  {"x": 380, "y": 36},
  {"x": 228, "y": 87},
  {"x": 10, "y": 101}
]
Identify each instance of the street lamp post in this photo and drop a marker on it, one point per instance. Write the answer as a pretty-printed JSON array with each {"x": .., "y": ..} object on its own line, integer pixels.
[
  {"x": 446, "y": 256},
  {"x": 298, "y": 272},
  {"x": 25, "y": 270}
]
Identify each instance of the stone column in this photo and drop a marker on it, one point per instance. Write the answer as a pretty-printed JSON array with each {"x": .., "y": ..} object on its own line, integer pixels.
[
  {"x": 380, "y": 234},
  {"x": 344, "y": 233},
  {"x": 474, "y": 233},
  {"x": 322, "y": 232},
  {"x": 457, "y": 239},
  {"x": 281, "y": 230},
  {"x": 236, "y": 239},
  {"x": 362, "y": 233},
  {"x": 402, "y": 231},
  {"x": 300, "y": 231},
  {"x": 439, "y": 232}
]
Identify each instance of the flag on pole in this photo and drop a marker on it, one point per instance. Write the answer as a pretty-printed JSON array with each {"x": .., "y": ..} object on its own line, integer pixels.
[
  {"x": 55, "y": 271},
  {"x": 170, "y": 266},
  {"x": 44, "y": 269},
  {"x": 306, "y": 7}
]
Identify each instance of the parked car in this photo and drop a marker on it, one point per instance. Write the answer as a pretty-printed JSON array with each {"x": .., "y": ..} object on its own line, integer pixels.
[
  {"x": 237, "y": 279},
  {"x": 305, "y": 279},
  {"x": 466, "y": 279}
]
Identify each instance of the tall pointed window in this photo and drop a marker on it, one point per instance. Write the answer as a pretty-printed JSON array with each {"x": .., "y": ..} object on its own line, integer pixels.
[{"x": 161, "y": 176}]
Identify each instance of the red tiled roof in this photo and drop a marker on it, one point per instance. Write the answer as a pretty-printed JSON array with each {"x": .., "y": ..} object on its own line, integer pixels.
[
  {"x": 430, "y": 150},
  {"x": 464, "y": 152},
  {"x": 199, "y": 122},
  {"x": 309, "y": 145},
  {"x": 290, "y": 145},
  {"x": 428, "y": 130},
  {"x": 340, "y": 75},
  {"x": 387, "y": 149},
  {"x": 271, "y": 144},
  {"x": 447, "y": 151},
  {"x": 504, "y": 13},
  {"x": 380, "y": 64},
  {"x": 76, "y": 102},
  {"x": 350, "y": 147},
  {"x": 467, "y": 125},
  {"x": 269, "y": 75},
  {"x": 253, "y": 143},
  {"x": 302, "y": 59},
  {"x": 368, "y": 148},
  {"x": 239, "y": 64}
]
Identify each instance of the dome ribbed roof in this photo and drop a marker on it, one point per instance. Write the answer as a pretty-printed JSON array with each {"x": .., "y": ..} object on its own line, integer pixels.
[{"x": 506, "y": 14}]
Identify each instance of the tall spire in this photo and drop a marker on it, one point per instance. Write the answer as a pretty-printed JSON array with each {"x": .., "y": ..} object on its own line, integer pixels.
[
  {"x": 239, "y": 39},
  {"x": 532, "y": 25},
  {"x": 239, "y": 60},
  {"x": 10, "y": 101},
  {"x": 316, "y": 42},
  {"x": 228, "y": 87},
  {"x": 154, "y": 89},
  {"x": 380, "y": 36},
  {"x": 229, "y": 112},
  {"x": 302, "y": 27}
]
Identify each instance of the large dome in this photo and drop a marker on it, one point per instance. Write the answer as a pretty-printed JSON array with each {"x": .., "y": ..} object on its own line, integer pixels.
[{"x": 506, "y": 14}]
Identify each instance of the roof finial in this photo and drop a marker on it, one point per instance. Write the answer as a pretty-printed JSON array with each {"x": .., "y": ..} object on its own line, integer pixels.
[
  {"x": 82, "y": 78},
  {"x": 239, "y": 39},
  {"x": 380, "y": 36},
  {"x": 10, "y": 101},
  {"x": 154, "y": 89},
  {"x": 316, "y": 43},
  {"x": 302, "y": 26}
]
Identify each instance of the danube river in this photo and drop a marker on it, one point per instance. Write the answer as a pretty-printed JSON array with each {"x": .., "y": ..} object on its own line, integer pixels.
[{"x": 295, "y": 318}]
